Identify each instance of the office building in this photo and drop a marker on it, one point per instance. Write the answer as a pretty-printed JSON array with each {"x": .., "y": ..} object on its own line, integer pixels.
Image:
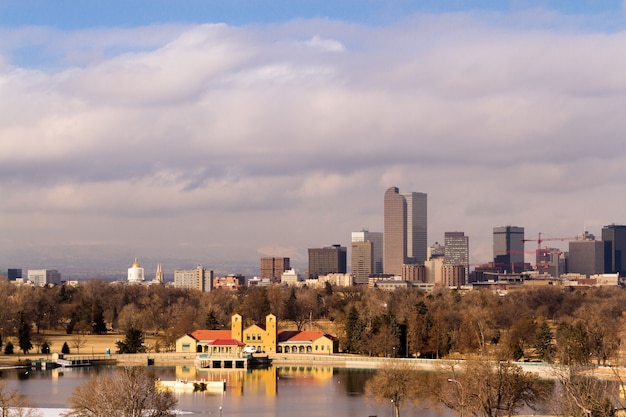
[
  {"x": 586, "y": 255},
  {"x": 405, "y": 230},
  {"x": 453, "y": 275},
  {"x": 200, "y": 279},
  {"x": 416, "y": 227},
  {"x": 614, "y": 238},
  {"x": 508, "y": 248},
  {"x": 273, "y": 268},
  {"x": 43, "y": 277},
  {"x": 366, "y": 257},
  {"x": 377, "y": 247},
  {"x": 456, "y": 250},
  {"x": 328, "y": 260},
  {"x": 362, "y": 261},
  {"x": 13, "y": 274}
]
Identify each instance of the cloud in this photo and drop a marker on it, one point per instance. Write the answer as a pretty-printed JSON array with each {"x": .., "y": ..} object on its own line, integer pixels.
[
  {"x": 326, "y": 45},
  {"x": 219, "y": 143}
]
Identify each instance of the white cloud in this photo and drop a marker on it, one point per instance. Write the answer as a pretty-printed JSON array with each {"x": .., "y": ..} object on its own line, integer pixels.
[
  {"x": 326, "y": 45},
  {"x": 227, "y": 142}
]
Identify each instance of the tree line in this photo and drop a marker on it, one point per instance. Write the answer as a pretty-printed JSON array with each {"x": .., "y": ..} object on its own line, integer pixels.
[{"x": 549, "y": 324}]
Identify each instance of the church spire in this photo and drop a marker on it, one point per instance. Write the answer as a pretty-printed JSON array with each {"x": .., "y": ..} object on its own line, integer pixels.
[{"x": 159, "y": 274}]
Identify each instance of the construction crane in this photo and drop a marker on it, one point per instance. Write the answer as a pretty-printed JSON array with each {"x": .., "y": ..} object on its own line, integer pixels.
[
  {"x": 542, "y": 254},
  {"x": 539, "y": 239}
]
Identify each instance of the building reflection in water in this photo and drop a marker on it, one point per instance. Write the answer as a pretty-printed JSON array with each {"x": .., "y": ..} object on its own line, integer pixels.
[{"x": 258, "y": 381}]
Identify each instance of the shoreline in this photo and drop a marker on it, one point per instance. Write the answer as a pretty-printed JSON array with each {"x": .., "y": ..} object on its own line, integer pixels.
[{"x": 543, "y": 370}]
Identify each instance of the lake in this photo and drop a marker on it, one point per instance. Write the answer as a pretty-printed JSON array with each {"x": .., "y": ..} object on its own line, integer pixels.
[{"x": 305, "y": 391}]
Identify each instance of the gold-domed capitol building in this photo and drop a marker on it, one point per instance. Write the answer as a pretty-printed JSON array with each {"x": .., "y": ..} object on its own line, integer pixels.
[{"x": 135, "y": 273}]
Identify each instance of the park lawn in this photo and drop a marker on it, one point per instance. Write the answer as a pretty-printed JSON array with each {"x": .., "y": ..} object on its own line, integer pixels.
[{"x": 90, "y": 344}]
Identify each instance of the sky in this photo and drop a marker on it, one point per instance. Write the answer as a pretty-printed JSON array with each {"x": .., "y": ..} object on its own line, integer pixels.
[{"x": 217, "y": 132}]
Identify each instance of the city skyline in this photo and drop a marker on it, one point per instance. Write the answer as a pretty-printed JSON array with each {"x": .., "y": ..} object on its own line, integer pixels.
[{"x": 204, "y": 135}]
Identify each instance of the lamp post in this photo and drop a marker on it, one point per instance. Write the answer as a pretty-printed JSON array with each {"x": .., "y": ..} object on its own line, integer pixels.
[
  {"x": 220, "y": 411},
  {"x": 462, "y": 393}
]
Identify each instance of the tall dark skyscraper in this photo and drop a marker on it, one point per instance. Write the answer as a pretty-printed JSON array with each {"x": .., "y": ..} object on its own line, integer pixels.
[
  {"x": 405, "y": 229},
  {"x": 328, "y": 260},
  {"x": 508, "y": 248},
  {"x": 614, "y": 238}
]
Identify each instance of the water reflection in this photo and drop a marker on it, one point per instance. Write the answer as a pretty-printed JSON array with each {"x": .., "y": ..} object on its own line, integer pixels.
[{"x": 306, "y": 391}]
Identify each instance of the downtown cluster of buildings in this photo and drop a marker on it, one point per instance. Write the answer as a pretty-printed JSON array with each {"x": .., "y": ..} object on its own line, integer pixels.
[{"x": 399, "y": 256}]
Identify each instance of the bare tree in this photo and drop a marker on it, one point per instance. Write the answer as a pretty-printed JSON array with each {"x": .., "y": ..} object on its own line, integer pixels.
[
  {"x": 14, "y": 404},
  {"x": 582, "y": 394},
  {"x": 79, "y": 341},
  {"x": 394, "y": 383},
  {"x": 489, "y": 388},
  {"x": 128, "y": 392}
]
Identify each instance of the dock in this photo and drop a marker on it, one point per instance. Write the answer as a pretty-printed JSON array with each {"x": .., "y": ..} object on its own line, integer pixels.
[{"x": 232, "y": 362}]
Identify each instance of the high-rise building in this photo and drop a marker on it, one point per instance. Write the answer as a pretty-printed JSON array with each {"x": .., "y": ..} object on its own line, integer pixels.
[
  {"x": 362, "y": 261},
  {"x": 456, "y": 250},
  {"x": 405, "y": 229},
  {"x": 328, "y": 260},
  {"x": 508, "y": 248},
  {"x": 273, "y": 268},
  {"x": 586, "y": 255},
  {"x": 376, "y": 238},
  {"x": 614, "y": 238},
  {"x": 416, "y": 227},
  {"x": 197, "y": 279}
]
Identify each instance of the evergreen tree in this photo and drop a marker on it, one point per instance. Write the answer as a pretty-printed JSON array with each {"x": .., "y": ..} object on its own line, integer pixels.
[
  {"x": 543, "y": 341},
  {"x": 132, "y": 343},
  {"x": 354, "y": 330},
  {"x": 8, "y": 348},
  {"x": 45, "y": 348},
  {"x": 65, "y": 349},
  {"x": 24, "y": 335},
  {"x": 211, "y": 322},
  {"x": 97, "y": 316}
]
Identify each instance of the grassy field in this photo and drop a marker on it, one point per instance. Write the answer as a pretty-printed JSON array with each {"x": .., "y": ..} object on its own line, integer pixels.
[{"x": 78, "y": 344}]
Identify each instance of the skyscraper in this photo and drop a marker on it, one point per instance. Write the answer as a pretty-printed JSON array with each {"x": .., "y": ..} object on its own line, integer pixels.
[
  {"x": 586, "y": 255},
  {"x": 405, "y": 229},
  {"x": 377, "y": 248},
  {"x": 456, "y": 250},
  {"x": 614, "y": 238},
  {"x": 508, "y": 248},
  {"x": 362, "y": 261},
  {"x": 416, "y": 221},
  {"x": 328, "y": 260}
]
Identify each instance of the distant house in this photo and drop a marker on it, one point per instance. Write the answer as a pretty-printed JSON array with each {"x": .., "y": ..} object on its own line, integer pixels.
[{"x": 264, "y": 338}]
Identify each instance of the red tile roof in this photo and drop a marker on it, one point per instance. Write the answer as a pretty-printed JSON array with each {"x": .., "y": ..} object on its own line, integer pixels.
[
  {"x": 211, "y": 334},
  {"x": 309, "y": 336},
  {"x": 226, "y": 342},
  {"x": 285, "y": 335}
]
